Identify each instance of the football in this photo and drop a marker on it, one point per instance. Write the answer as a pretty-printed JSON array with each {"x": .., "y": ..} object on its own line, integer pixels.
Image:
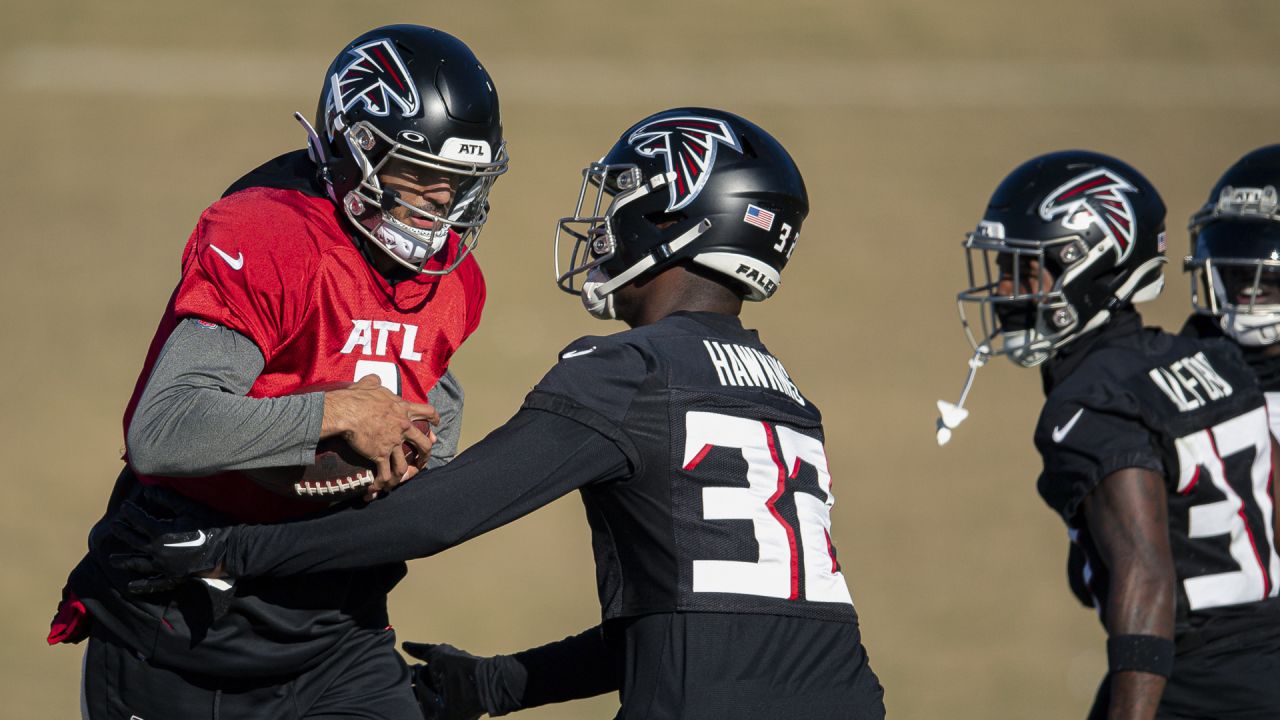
[{"x": 338, "y": 472}]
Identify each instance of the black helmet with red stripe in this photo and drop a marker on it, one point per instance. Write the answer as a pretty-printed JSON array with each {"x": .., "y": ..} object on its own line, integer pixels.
[
  {"x": 684, "y": 185},
  {"x": 419, "y": 96},
  {"x": 1067, "y": 239}
]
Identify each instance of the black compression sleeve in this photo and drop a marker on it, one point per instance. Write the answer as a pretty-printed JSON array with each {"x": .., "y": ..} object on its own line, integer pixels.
[
  {"x": 536, "y": 457},
  {"x": 576, "y": 667}
]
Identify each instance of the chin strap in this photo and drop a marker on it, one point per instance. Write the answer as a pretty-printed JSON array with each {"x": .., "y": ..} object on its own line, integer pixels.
[
  {"x": 315, "y": 151},
  {"x": 663, "y": 251},
  {"x": 951, "y": 415},
  {"x": 315, "y": 148}
]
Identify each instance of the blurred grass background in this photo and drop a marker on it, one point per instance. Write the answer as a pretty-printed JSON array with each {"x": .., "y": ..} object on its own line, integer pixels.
[{"x": 123, "y": 120}]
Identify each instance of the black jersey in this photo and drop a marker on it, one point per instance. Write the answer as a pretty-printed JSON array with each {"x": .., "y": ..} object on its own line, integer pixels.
[
  {"x": 1265, "y": 366},
  {"x": 729, "y": 506},
  {"x": 1191, "y": 411},
  {"x": 701, "y": 466}
]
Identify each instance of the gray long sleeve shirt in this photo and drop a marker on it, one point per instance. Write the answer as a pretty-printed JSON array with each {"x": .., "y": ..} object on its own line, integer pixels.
[{"x": 194, "y": 419}]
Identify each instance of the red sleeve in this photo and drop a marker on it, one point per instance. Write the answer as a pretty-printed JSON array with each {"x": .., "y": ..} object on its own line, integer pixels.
[
  {"x": 473, "y": 284},
  {"x": 249, "y": 266}
]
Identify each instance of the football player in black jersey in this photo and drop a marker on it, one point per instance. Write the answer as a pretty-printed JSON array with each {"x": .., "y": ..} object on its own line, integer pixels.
[
  {"x": 699, "y": 460},
  {"x": 1235, "y": 267},
  {"x": 1156, "y": 449}
]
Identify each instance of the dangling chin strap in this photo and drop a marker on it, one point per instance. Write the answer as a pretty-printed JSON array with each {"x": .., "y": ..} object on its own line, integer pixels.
[
  {"x": 951, "y": 415},
  {"x": 315, "y": 151},
  {"x": 315, "y": 148}
]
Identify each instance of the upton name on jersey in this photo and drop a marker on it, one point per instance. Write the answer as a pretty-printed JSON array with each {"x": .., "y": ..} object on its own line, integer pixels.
[{"x": 1189, "y": 381}]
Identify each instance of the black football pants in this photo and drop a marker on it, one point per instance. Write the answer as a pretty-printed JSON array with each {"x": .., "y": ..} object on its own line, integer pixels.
[
  {"x": 1228, "y": 678},
  {"x": 363, "y": 677},
  {"x": 724, "y": 666}
]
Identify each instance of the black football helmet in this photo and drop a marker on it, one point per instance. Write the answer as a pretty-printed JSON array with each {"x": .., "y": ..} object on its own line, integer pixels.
[
  {"x": 688, "y": 184},
  {"x": 417, "y": 95},
  {"x": 1075, "y": 235},
  {"x": 1068, "y": 239},
  {"x": 1235, "y": 250}
]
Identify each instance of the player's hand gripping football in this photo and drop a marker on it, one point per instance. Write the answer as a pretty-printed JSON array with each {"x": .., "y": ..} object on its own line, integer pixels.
[
  {"x": 376, "y": 423},
  {"x": 446, "y": 683},
  {"x": 165, "y": 554}
]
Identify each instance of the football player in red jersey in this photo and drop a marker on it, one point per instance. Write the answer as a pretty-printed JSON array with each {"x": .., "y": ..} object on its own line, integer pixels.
[
  {"x": 350, "y": 261},
  {"x": 700, "y": 464}
]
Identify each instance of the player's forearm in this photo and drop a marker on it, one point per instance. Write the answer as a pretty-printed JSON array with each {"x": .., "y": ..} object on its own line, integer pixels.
[
  {"x": 576, "y": 667},
  {"x": 534, "y": 459},
  {"x": 1141, "y": 606},
  {"x": 193, "y": 417},
  {"x": 1127, "y": 519},
  {"x": 1134, "y": 695},
  {"x": 417, "y": 520},
  {"x": 1141, "y": 602}
]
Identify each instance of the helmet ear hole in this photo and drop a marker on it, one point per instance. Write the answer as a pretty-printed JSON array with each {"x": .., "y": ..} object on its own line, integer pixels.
[{"x": 664, "y": 220}]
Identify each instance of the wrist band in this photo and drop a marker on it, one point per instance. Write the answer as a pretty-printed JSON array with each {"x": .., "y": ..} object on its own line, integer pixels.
[{"x": 1143, "y": 653}]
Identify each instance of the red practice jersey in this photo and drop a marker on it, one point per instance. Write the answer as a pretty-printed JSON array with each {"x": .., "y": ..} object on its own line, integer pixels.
[{"x": 277, "y": 266}]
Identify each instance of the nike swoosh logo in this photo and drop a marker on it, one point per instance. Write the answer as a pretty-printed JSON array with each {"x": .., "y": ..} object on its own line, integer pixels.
[
  {"x": 1059, "y": 433},
  {"x": 236, "y": 262},
  {"x": 190, "y": 543},
  {"x": 218, "y": 584},
  {"x": 576, "y": 353}
]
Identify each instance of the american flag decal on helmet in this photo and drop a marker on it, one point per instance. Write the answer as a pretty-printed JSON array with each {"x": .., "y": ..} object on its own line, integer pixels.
[
  {"x": 689, "y": 144},
  {"x": 1097, "y": 198},
  {"x": 377, "y": 78}
]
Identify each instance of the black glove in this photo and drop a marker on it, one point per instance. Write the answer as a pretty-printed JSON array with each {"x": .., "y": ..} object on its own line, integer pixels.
[
  {"x": 167, "y": 554},
  {"x": 446, "y": 684}
]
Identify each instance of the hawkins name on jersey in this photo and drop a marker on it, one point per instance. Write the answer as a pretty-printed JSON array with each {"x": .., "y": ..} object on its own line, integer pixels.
[{"x": 742, "y": 366}]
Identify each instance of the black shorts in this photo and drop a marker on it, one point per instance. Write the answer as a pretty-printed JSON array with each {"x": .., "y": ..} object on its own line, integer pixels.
[
  {"x": 714, "y": 666},
  {"x": 364, "y": 678},
  {"x": 1236, "y": 677}
]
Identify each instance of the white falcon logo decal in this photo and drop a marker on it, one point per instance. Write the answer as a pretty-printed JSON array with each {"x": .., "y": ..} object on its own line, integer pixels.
[
  {"x": 377, "y": 78},
  {"x": 689, "y": 144},
  {"x": 1098, "y": 198}
]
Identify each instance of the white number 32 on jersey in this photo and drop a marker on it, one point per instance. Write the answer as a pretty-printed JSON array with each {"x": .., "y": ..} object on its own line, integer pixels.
[{"x": 783, "y": 549}]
